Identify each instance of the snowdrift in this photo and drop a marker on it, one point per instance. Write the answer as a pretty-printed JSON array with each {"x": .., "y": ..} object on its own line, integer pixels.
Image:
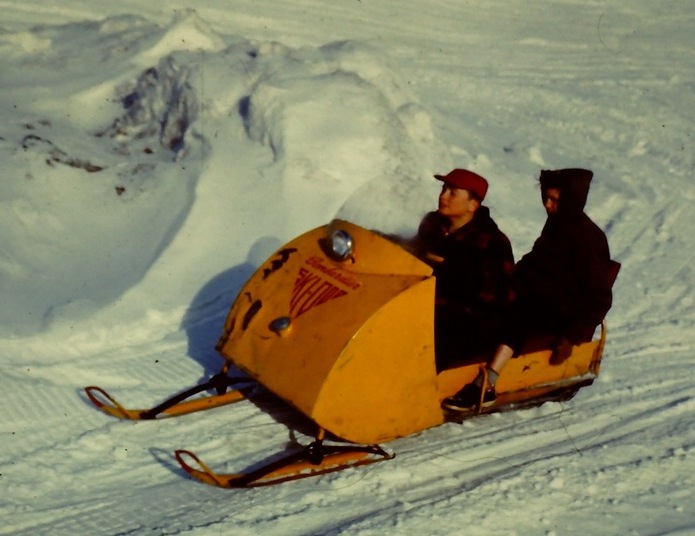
[{"x": 116, "y": 185}]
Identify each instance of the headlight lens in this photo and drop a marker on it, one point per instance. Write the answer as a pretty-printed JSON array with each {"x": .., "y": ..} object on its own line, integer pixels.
[
  {"x": 281, "y": 325},
  {"x": 341, "y": 244}
]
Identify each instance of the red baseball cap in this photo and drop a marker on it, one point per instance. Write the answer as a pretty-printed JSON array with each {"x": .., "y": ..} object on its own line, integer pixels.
[{"x": 465, "y": 180}]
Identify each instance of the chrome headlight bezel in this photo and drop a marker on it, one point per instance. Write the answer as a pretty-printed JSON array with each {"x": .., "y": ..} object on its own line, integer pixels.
[{"x": 341, "y": 245}]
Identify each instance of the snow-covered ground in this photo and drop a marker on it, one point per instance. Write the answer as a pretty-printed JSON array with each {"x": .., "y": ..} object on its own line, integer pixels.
[{"x": 153, "y": 154}]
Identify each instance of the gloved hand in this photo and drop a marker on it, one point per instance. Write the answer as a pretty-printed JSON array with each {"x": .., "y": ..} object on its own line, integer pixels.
[{"x": 562, "y": 350}]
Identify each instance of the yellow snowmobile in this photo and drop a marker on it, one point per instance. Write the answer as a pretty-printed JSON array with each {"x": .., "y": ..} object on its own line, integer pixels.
[{"x": 339, "y": 323}]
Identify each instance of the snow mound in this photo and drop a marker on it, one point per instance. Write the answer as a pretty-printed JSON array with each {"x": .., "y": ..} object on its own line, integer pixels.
[
  {"x": 186, "y": 32},
  {"x": 341, "y": 129},
  {"x": 112, "y": 180}
]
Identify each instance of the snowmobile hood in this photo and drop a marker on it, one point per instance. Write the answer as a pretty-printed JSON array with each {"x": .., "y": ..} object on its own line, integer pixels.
[{"x": 573, "y": 184}]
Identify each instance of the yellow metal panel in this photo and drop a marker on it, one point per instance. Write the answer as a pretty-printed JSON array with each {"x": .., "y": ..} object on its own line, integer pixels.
[
  {"x": 451, "y": 380},
  {"x": 384, "y": 385},
  {"x": 533, "y": 368},
  {"x": 529, "y": 370},
  {"x": 327, "y": 305}
]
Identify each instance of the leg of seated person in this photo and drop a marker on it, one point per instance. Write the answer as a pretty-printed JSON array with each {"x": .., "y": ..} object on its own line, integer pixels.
[
  {"x": 501, "y": 357},
  {"x": 483, "y": 387}
]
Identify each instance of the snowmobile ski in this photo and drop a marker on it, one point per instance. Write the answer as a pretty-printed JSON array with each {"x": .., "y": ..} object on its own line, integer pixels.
[
  {"x": 177, "y": 404},
  {"x": 314, "y": 459}
]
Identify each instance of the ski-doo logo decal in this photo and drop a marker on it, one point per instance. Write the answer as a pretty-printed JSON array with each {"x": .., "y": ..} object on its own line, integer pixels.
[
  {"x": 333, "y": 273},
  {"x": 312, "y": 289}
]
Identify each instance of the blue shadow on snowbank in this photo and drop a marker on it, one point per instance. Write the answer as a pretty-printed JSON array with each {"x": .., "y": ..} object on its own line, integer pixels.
[
  {"x": 204, "y": 324},
  {"x": 204, "y": 319}
]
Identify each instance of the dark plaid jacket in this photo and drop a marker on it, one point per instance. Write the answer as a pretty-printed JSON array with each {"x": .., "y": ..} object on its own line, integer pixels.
[{"x": 473, "y": 265}]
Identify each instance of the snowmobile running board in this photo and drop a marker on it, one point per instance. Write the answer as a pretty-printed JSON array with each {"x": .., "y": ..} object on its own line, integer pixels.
[
  {"x": 524, "y": 399},
  {"x": 314, "y": 459},
  {"x": 177, "y": 404}
]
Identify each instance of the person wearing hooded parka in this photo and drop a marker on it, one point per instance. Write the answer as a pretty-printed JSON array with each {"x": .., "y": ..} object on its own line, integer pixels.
[
  {"x": 565, "y": 280},
  {"x": 563, "y": 285}
]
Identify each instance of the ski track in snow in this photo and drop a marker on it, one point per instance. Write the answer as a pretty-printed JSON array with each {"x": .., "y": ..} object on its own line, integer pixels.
[{"x": 507, "y": 89}]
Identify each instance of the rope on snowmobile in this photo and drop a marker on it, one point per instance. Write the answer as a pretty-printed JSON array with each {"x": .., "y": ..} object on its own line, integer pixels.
[{"x": 483, "y": 386}]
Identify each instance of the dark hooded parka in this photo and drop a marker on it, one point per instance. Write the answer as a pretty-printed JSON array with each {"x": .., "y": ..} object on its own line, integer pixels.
[{"x": 567, "y": 277}]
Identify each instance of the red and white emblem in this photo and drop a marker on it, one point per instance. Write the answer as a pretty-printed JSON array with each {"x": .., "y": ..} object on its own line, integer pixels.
[{"x": 318, "y": 283}]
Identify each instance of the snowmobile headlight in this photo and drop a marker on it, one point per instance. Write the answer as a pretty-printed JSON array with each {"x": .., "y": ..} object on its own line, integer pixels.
[{"x": 341, "y": 244}]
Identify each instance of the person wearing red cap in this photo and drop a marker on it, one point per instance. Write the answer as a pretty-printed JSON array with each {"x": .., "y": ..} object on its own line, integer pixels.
[
  {"x": 562, "y": 286},
  {"x": 473, "y": 263}
]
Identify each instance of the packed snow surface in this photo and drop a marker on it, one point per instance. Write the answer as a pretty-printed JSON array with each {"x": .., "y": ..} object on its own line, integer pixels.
[{"x": 154, "y": 154}]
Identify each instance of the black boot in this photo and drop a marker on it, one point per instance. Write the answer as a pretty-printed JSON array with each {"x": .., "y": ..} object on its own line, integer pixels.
[{"x": 469, "y": 397}]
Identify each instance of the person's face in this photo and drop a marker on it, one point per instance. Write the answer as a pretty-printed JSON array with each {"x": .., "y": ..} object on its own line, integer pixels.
[
  {"x": 455, "y": 203},
  {"x": 551, "y": 197}
]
